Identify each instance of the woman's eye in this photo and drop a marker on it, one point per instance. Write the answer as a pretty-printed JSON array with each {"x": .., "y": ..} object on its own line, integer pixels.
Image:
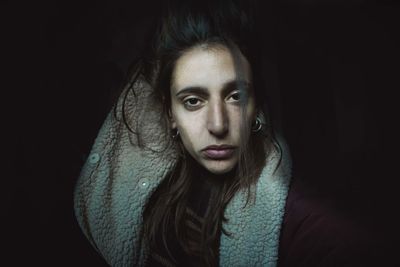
[
  {"x": 235, "y": 96},
  {"x": 192, "y": 102}
]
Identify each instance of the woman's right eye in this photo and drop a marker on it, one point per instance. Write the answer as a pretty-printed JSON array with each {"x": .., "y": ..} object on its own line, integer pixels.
[{"x": 191, "y": 102}]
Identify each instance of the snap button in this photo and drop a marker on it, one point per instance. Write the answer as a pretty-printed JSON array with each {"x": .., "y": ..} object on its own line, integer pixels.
[
  {"x": 144, "y": 182},
  {"x": 94, "y": 158}
]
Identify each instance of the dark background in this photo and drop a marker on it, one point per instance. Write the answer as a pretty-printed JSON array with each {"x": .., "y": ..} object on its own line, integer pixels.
[{"x": 337, "y": 68}]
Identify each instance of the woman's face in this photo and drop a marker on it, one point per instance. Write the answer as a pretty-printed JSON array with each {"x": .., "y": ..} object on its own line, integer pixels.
[{"x": 205, "y": 105}]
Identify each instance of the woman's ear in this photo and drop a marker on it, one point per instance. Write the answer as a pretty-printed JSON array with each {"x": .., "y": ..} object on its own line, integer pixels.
[
  {"x": 173, "y": 124},
  {"x": 171, "y": 119}
]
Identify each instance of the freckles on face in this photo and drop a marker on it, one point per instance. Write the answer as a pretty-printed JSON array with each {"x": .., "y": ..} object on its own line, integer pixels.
[{"x": 206, "y": 105}]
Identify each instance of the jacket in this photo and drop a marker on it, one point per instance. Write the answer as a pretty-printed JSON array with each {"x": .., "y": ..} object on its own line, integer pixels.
[{"x": 120, "y": 175}]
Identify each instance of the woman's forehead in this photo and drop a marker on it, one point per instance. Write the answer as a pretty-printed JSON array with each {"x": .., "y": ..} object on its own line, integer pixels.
[{"x": 209, "y": 68}]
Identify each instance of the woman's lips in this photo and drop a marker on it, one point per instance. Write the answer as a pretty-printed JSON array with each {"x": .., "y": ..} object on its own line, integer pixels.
[{"x": 219, "y": 152}]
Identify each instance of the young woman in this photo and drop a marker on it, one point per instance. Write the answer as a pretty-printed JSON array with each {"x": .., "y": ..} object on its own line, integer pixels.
[{"x": 187, "y": 169}]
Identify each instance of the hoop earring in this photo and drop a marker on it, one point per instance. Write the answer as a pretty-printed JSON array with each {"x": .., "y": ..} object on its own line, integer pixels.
[
  {"x": 257, "y": 125},
  {"x": 175, "y": 134}
]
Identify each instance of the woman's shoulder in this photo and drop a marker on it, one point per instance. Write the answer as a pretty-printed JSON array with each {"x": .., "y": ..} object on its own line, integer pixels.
[{"x": 316, "y": 233}]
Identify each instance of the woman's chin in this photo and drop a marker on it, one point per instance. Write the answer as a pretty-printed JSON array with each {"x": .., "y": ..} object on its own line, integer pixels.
[{"x": 219, "y": 167}]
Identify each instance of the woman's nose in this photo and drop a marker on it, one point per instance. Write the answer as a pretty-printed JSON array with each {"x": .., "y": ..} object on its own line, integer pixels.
[{"x": 217, "y": 119}]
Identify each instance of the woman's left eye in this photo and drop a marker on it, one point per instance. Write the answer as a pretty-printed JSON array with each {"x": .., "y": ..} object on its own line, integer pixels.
[{"x": 235, "y": 96}]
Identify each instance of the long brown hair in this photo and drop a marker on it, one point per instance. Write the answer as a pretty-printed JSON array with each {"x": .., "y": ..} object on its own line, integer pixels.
[{"x": 184, "y": 26}]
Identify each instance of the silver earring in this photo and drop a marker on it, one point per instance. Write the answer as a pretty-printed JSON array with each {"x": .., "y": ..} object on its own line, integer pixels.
[
  {"x": 175, "y": 134},
  {"x": 257, "y": 125}
]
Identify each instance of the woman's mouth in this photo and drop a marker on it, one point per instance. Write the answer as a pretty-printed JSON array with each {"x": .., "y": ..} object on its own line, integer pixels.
[{"x": 218, "y": 152}]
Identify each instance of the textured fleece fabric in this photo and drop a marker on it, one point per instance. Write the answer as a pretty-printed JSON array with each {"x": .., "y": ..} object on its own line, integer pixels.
[{"x": 119, "y": 177}]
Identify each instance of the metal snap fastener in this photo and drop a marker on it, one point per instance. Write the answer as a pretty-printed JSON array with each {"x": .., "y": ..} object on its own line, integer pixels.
[
  {"x": 144, "y": 182},
  {"x": 94, "y": 158}
]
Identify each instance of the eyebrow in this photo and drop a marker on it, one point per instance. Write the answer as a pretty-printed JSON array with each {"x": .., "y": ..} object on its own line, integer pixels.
[{"x": 228, "y": 86}]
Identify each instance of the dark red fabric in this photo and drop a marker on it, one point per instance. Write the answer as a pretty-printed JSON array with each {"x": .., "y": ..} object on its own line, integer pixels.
[{"x": 315, "y": 233}]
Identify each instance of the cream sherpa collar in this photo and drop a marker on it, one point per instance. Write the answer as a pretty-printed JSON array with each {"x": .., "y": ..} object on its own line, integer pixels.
[{"x": 118, "y": 177}]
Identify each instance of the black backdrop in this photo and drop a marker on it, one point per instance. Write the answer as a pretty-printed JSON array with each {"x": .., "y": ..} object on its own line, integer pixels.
[{"x": 337, "y": 69}]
